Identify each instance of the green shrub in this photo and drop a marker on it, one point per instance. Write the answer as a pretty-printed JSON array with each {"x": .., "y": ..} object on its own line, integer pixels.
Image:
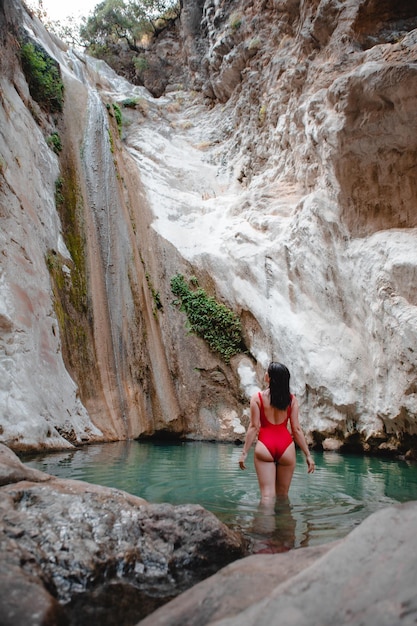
[
  {"x": 140, "y": 104},
  {"x": 118, "y": 117},
  {"x": 54, "y": 142},
  {"x": 141, "y": 63},
  {"x": 111, "y": 142},
  {"x": 43, "y": 76},
  {"x": 207, "y": 318},
  {"x": 116, "y": 112},
  {"x": 130, "y": 103},
  {"x": 235, "y": 20}
]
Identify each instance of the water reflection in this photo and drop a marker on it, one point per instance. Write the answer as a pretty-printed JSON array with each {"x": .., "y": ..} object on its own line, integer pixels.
[
  {"x": 274, "y": 527},
  {"x": 321, "y": 507}
]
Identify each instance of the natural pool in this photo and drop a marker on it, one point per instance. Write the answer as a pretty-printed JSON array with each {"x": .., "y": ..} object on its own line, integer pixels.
[{"x": 322, "y": 507}]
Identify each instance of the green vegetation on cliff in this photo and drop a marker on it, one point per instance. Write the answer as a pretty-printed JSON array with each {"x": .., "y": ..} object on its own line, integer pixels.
[
  {"x": 214, "y": 322},
  {"x": 43, "y": 76},
  {"x": 70, "y": 282}
]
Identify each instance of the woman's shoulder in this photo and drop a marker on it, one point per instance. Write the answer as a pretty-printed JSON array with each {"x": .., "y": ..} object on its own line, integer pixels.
[
  {"x": 294, "y": 401},
  {"x": 255, "y": 397}
]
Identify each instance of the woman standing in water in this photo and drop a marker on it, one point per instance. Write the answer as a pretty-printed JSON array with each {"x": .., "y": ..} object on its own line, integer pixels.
[{"x": 270, "y": 411}]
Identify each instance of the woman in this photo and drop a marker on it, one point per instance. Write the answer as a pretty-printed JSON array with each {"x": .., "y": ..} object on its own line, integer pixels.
[{"x": 270, "y": 411}]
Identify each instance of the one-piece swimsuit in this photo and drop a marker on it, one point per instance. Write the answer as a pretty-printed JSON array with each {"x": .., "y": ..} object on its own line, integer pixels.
[{"x": 276, "y": 437}]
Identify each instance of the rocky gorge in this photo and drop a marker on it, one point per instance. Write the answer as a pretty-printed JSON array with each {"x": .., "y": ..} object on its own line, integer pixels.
[{"x": 279, "y": 174}]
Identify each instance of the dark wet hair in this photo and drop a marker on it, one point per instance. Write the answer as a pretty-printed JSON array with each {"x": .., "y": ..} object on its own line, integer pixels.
[{"x": 279, "y": 385}]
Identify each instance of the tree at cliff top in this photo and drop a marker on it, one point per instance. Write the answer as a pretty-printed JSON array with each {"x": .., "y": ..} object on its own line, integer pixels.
[
  {"x": 122, "y": 33},
  {"x": 115, "y": 23}
]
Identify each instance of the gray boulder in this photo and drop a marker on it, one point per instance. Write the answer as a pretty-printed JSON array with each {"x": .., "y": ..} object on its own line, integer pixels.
[
  {"x": 368, "y": 578},
  {"x": 77, "y": 553}
]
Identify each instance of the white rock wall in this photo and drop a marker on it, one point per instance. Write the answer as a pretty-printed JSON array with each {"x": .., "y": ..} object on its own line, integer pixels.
[
  {"x": 282, "y": 199},
  {"x": 39, "y": 401}
]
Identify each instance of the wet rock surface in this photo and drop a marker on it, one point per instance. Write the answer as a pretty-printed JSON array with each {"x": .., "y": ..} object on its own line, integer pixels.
[
  {"x": 76, "y": 553},
  {"x": 366, "y": 578}
]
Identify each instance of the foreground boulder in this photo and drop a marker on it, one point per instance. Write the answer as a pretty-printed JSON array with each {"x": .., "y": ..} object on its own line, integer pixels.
[
  {"x": 367, "y": 578},
  {"x": 76, "y": 553}
]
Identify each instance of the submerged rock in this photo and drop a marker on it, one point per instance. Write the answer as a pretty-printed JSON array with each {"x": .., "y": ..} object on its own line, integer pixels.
[{"x": 78, "y": 553}]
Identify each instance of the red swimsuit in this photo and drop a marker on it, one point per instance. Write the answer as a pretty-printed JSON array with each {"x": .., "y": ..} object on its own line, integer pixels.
[{"x": 276, "y": 437}]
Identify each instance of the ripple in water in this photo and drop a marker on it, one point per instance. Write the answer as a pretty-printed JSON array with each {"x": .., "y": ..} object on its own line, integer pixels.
[{"x": 322, "y": 507}]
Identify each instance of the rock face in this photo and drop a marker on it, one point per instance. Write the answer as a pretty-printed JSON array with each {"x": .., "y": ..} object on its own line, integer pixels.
[
  {"x": 31, "y": 362},
  {"x": 363, "y": 579},
  {"x": 316, "y": 130},
  {"x": 284, "y": 183},
  {"x": 75, "y": 553},
  {"x": 235, "y": 588}
]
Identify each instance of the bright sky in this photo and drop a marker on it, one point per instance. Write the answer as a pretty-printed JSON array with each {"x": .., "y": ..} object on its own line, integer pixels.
[{"x": 59, "y": 9}]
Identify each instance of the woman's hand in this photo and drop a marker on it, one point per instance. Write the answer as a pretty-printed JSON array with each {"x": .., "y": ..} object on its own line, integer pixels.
[
  {"x": 242, "y": 460},
  {"x": 310, "y": 463}
]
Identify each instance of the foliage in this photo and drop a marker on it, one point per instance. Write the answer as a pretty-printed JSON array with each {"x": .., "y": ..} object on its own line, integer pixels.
[
  {"x": 111, "y": 142},
  {"x": 129, "y": 21},
  {"x": 254, "y": 44},
  {"x": 130, "y": 103},
  {"x": 262, "y": 114},
  {"x": 141, "y": 63},
  {"x": 212, "y": 321},
  {"x": 54, "y": 142},
  {"x": 59, "y": 197},
  {"x": 43, "y": 76},
  {"x": 235, "y": 20},
  {"x": 155, "y": 295},
  {"x": 115, "y": 111},
  {"x": 117, "y": 116},
  {"x": 140, "y": 104}
]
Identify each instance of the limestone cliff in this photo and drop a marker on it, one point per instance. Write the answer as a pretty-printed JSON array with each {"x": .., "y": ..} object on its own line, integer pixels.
[{"x": 281, "y": 176}]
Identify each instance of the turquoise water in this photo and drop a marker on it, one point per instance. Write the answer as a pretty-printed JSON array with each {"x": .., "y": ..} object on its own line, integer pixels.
[{"x": 322, "y": 507}]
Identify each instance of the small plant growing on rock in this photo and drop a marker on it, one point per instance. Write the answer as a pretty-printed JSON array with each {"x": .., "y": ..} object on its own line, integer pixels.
[
  {"x": 3, "y": 165},
  {"x": 117, "y": 116},
  {"x": 54, "y": 142},
  {"x": 235, "y": 20},
  {"x": 212, "y": 321},
  {"x": 155, "y": 295},
  {"x": 262, "y": 114},
  {"x": 141, "y": 63},
  {"x": 139, "y": 104},
  {"x": 115, "y": 111},
  {"x": 130, "y": 103},
  {"x": 254, "y": 44},
  {"x": 59, "y": 198},
  {"x": 111, "y": 141}
]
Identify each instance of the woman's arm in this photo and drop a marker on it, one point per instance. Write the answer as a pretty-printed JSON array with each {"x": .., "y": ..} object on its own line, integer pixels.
[
  {"x": 298, "y": 435},
  {"x": 252, "y": 431}
]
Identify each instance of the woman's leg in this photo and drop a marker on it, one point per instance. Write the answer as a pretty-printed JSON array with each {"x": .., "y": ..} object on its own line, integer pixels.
[
  {"x": 266, "y": 472},
  {"x": 285, "y": 470}
]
